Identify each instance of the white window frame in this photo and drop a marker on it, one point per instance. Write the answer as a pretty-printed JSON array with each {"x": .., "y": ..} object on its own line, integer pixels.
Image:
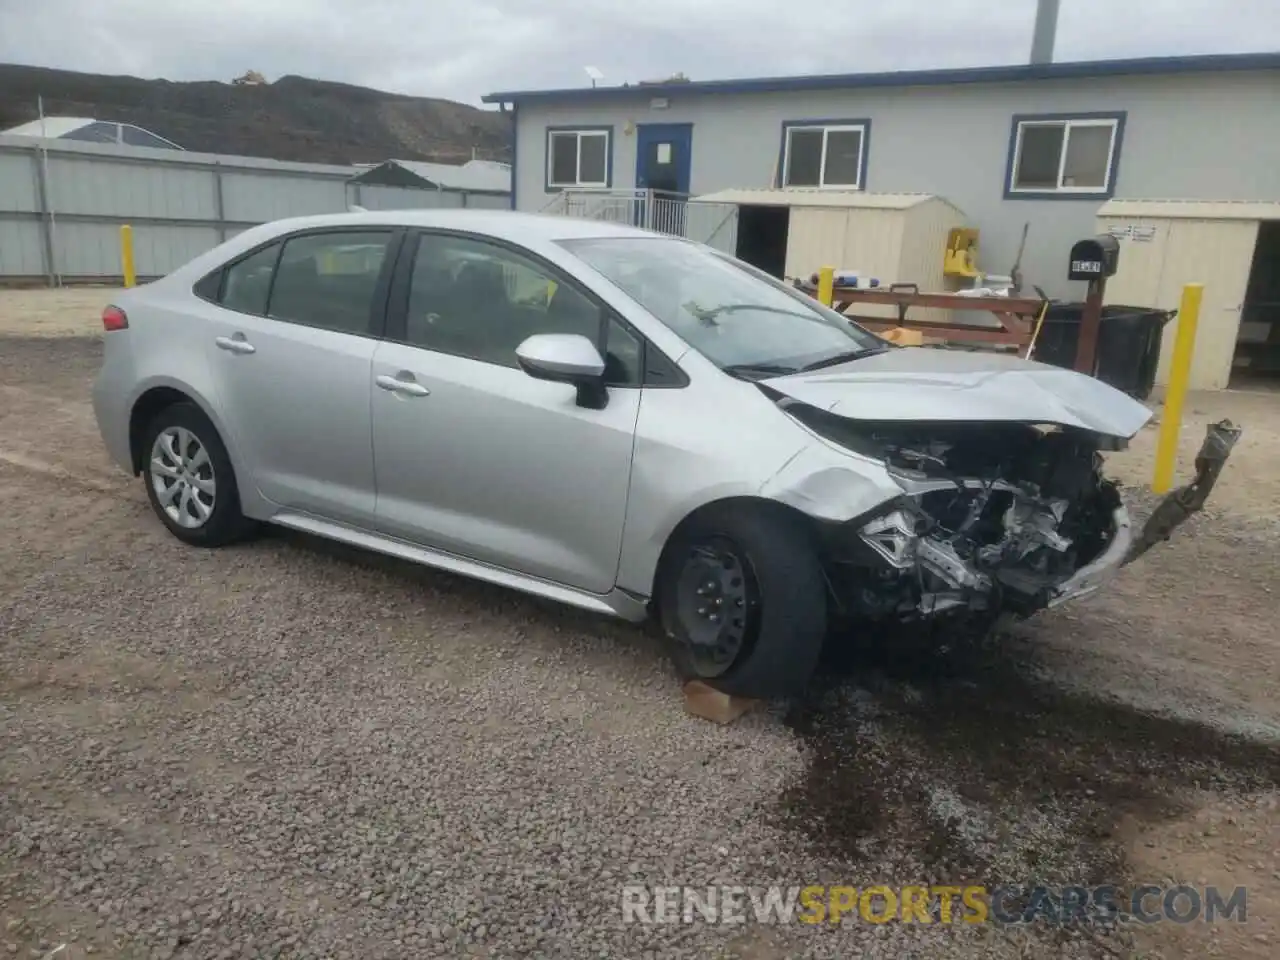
[
  {"x": 827, "y": 129},
  {"x": 579, "y": 182},
  {"x": 1067, "y": 125}
]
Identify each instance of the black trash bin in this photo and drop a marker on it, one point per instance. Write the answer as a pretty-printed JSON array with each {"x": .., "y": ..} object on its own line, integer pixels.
[{"x": 1128, "y": 344}]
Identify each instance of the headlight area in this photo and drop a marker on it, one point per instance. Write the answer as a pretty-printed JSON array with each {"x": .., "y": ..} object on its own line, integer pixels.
[{"x": 992, "y": 518}]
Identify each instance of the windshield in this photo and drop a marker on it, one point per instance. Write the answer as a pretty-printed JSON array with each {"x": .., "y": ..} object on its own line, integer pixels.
[{"x": 739, "y": 318}]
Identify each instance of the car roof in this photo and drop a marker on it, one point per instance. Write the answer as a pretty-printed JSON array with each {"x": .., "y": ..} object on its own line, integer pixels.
[{"x": 522, "y": 228}]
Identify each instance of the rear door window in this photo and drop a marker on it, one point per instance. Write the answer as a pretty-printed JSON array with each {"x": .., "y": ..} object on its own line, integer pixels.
[{"x": 328, "y": 280}]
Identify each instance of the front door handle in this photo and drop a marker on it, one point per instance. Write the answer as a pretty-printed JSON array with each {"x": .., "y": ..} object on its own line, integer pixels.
[
  {"x": 408, "y": 388},
  {"x": 236, "y": 344}
]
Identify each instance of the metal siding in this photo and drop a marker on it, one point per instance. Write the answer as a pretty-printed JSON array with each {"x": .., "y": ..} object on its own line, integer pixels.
[
  {"x": 1137, "y": 279},
  {"x": 488, "y": 201},
  {"x": 408, "y": 198},
  {"x": 917, "y": 134},
  {"x": 1192, "y": 209},
  {"x": 21, "y": 249},
  {"x": 160, "y": 250},
  {"x": 715, "y": 224},
  {"x": 924, "y": 241},
  {"x": 87, "y": 249},
  {"x": 815, "y": 239},
  {"x": 18, "y": 182},
  {"x": 94, "y": 188},
  {"x": 259, "y": 198},
  {"x": 82, "y": 186},
  {"x": 1217, "y": 253}
]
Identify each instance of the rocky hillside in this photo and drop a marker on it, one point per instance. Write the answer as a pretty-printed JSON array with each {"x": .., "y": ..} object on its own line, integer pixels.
[{"x": 291, "y": 119}]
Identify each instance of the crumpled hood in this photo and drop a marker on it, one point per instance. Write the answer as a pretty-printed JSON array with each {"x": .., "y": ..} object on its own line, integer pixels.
[{"x": 924, "y": 383}]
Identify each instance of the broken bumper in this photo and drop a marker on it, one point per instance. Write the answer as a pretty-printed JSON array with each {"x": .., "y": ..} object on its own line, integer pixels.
[
  {"x": 963, "y": 585},
  {"x": 1103, "y": 569}
]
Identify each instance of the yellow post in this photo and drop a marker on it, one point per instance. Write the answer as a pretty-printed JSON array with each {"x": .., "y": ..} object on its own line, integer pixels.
[
  {"x": 826, "y": 285},
  {"x": 1184, "y": 345},
  {"x": 126, "y": 256}
]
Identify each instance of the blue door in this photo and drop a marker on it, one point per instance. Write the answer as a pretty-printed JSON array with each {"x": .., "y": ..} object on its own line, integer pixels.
[{"x": 664, "y": 153}]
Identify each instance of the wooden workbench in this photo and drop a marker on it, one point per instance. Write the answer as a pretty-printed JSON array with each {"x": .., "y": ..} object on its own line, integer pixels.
[{"x": 1016, "y": 315}]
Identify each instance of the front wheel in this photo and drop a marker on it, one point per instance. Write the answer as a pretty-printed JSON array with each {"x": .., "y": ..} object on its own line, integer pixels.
[{"x": 743, "y": 601}]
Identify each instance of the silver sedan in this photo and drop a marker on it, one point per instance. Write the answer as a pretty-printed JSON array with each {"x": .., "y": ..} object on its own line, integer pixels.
[{"x": 627, "y": 422}]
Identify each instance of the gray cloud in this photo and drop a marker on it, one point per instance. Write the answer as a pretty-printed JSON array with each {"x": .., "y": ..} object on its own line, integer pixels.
[{"x": 462, "y": 49}]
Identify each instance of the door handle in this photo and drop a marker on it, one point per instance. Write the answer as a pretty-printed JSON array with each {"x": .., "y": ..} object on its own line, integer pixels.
[
  {"x": 408, "y": 388},
  {"x": 236, "y": 344}
]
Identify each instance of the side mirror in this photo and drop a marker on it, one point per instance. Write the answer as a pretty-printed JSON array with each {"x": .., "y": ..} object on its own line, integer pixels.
[{"x": 566, "y": 358}]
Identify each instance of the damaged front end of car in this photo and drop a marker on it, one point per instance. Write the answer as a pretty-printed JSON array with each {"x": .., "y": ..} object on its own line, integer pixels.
[{"x": 994, "y": 518}]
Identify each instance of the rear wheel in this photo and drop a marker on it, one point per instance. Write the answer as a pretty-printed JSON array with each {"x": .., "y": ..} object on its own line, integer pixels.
[
  {"x": 743, "y": 602},
  {"x": 189, "y": 479}
]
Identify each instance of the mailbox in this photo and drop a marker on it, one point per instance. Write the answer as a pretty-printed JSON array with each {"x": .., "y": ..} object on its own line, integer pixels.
[{"x": 1094, "y": 259}]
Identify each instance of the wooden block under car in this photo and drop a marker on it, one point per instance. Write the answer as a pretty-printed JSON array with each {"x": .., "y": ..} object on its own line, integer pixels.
[{"x": 707, "y": 702}]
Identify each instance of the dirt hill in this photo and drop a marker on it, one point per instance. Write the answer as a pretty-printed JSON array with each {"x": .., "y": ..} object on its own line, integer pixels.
[{"x": 293, "y": 118}]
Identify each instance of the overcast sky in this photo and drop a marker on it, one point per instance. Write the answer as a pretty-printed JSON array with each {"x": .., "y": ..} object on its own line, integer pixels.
[{"x": 462, "y": 49}]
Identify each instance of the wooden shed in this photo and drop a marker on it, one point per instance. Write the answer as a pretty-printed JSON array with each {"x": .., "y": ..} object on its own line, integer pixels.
[
  {"x": 894, "y": 237},
  {"x": 1233, "y": 248}
]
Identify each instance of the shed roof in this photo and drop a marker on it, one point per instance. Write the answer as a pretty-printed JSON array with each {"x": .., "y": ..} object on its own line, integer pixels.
[
  {"x": 1009, "y": 73},
  {"x": 50, "y": 127},
  {"x": 1192, "y": 209},
  {"x": 474, "y": 176},
  {"x": 811, "y": 197}
]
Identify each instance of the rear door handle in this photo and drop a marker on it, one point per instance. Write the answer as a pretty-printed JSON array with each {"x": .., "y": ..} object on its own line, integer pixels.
[
  {"x": 408, "y": 388},
  {"x": 236, "y": 344}
]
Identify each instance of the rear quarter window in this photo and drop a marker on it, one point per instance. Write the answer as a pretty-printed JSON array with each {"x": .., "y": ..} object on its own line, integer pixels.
[{"x": 248, "y": 282}]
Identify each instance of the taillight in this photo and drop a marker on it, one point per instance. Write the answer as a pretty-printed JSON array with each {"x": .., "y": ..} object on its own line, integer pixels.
[{"x": 113, "y": 318}]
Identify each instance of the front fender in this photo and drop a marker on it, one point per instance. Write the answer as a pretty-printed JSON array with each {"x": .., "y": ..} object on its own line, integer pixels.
[
  {"x": 819, "y": 481},
  {"x": 831, "y": 485}
]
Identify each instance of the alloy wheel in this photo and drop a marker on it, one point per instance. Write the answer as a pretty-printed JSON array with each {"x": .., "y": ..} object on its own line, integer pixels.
[{"x": 182, "y": 477}]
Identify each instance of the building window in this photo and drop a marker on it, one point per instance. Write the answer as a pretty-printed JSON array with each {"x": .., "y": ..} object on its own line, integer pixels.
[
  {"x": 824, "y": 154},
  {"x": 1064, "y": 156},
  {"x": 578, "y": 158}
]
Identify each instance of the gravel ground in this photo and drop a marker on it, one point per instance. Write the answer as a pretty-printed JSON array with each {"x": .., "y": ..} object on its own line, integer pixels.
[{"x": 289, "y": 748}]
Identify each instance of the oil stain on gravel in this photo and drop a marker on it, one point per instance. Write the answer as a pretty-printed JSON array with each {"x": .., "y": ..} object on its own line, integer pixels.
[{"x": 970, "y": 764}]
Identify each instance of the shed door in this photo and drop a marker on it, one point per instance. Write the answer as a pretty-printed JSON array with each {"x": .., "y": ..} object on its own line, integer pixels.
[{"x": 1217, "y": 253}]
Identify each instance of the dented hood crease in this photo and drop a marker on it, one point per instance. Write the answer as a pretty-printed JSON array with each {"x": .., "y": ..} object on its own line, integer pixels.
[{"x": 929, "y": 384}]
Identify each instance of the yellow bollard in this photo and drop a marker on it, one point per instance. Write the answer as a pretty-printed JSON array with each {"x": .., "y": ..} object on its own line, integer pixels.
[
  {"x": 826, "y": 285},
  {"x": 1184, "y": 345},
  {"x": 126, "y": 256}
]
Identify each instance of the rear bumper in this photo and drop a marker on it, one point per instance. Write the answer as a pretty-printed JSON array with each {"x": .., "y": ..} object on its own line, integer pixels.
[{"x": 111, "y": 407}]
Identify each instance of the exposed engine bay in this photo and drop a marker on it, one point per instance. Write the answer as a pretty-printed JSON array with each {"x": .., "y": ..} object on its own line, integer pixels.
[{"x": 995, "y": 517}]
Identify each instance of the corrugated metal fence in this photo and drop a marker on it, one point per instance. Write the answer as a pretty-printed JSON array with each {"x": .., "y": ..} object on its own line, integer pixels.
[{"x": 62, "y": 204}]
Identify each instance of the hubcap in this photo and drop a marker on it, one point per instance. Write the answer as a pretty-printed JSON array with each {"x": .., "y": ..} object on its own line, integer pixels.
[
  {"x": 182, "y": 477},
  {"x": 715, "y": 603}
]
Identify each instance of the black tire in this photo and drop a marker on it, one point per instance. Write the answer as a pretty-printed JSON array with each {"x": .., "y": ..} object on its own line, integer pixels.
[
  {"x": 780, "y": 641},
  {"x": 225, "y": 523}
]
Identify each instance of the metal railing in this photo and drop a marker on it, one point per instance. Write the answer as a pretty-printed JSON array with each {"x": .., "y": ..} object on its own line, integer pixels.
[{"x": 680, "y": 215}]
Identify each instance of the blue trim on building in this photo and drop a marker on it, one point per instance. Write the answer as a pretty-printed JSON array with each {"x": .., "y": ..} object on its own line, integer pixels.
[
  {"x": 1119, "y": 116},
  {"x": 576, "y": 128},
  {"x": 863, "y": 122},
  {"x": 913, "y": 78},
  {"x": 515, "y": 152}
]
